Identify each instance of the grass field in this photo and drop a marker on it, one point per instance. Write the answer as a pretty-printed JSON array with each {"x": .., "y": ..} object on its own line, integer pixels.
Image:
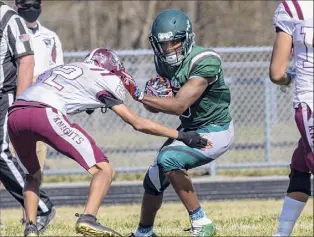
[{"x": 233, "y": 218}]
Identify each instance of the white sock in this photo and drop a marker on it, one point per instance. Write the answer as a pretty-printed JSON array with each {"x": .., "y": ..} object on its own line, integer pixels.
[
  {"x": 198, "y": 218},
  {"x": 290, "y": 213}
]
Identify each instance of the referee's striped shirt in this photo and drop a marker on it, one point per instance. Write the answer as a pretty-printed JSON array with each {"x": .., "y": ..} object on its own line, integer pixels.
[{"x": 14, "y": 43}]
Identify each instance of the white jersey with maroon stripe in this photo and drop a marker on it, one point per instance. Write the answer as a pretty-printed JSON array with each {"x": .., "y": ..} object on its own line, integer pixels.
[
  {"x": 296, "y": 19},
  {"x": 47, "y": 49},
  {"x": 76, "y": 87}
]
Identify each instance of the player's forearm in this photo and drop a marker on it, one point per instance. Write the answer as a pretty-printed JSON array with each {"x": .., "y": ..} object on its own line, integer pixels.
[
  {"x": 150, "y": 127},
  {"x": 25, "y": 73},
  {"x": 278, "y": 77},
  {"x": 166, "y": 105}
]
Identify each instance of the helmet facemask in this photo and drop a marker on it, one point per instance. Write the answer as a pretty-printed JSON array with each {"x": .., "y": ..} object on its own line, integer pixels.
[{"x": 177, "y": 55}]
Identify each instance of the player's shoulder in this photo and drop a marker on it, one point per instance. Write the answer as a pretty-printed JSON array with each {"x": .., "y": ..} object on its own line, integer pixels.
[
  {"x": 4, "y": 8},
  {"x": 8, "y": 15},
  {"x": 46, "y": 31},
  {"x": 290, "y": 13},
  {"x": 202, "y": 55},
  {"x": 90, "y": 71},
  {"x": 199, "y": 52},
  {"x": 78, "y": 64},
  {"x": 293, "y": 11},
  {"x": 98, "y": 73}
]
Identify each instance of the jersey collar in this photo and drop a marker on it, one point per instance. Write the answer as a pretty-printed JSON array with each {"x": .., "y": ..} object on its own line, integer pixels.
[{"x": 35, "y": 30}]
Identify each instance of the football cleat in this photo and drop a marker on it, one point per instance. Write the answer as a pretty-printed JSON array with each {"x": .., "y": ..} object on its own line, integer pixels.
[
  {"x": 133, "y": 235},
  {"x": 43, "y": 220},
  {"x": 87, "y": 225},
  {"x": 30, "y": 230},
  {"x": 206, "y": 230}
]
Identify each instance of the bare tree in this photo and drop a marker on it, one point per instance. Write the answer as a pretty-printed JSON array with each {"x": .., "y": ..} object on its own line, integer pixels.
[
  {"x": 125, "y": 24},
  {"x": 148, "y": 21},
  {"x": 92, "y": 24}
]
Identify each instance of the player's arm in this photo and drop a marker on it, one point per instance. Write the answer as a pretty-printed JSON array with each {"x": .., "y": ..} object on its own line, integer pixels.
[
  {"x": 185, "y": 97},
  {"x": 284, "y": 25},
  {"x": 148, "y": 126},
  {"x": 21, "y": 47},
  {"x": 59, "y": 51},
  {"x": 25, "y": 73},
  {"x": 204, "y": 72},
  {"x": 280, "y": 59},
  {"x": 144, "y": 125}
]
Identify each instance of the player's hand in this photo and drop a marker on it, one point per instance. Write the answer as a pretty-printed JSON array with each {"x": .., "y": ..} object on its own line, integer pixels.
[
  {"x": 290, "y": 74},
  {"x": 131, "y": 86},
  {"x": 194, "y": 140},
  {"x": 158, "y": 87}
]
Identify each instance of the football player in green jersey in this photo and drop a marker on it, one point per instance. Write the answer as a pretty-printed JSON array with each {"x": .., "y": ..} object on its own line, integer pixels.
[{"x": 201, "y": 101}]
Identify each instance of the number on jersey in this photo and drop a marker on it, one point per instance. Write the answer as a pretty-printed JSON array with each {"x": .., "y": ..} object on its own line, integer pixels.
[
  {"x": 67, "y": 72},
  {"x": 307, "y": 33}
]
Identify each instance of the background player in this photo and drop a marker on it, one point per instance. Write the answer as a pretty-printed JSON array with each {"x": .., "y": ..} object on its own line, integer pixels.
[
  {"x": 48, "y": 54},
  {"x": 201, "y": 100},
  {"x": 294, "y": 26},
  {"x": 39, "y": 114}
]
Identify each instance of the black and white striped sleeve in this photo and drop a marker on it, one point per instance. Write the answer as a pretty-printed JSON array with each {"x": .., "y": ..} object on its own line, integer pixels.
[{"x": 19, "y": 41}]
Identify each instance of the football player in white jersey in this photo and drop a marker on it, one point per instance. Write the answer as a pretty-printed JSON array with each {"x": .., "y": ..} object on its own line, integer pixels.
[
  {"x": 39, "y": 114},
  {"x": 294, "y": 26}
]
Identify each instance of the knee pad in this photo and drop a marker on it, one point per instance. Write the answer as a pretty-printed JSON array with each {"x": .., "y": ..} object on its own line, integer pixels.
[
  {"x": 299, "y": 182},
  {"x": 155, "y": 183}
]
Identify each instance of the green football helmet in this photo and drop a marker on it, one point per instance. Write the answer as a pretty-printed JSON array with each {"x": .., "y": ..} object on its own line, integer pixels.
[{"x": 171, "y": 25}]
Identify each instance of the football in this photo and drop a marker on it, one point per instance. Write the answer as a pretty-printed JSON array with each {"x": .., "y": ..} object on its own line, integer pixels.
[{"x": 158, "y": 86}]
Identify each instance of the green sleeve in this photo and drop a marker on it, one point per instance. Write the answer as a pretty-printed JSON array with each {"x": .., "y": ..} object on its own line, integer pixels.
[{"x": 206, "y": 67}]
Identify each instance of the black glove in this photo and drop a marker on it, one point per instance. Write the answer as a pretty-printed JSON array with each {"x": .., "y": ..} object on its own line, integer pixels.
[{"x": 192, "y": 139}]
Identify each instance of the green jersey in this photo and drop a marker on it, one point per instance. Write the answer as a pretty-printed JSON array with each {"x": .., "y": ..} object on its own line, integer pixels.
[{"x": 213, "y": 105}]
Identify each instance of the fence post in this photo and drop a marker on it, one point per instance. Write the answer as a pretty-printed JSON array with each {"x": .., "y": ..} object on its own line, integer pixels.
[
  {"x": 274, "y": 104},
  {"x": 267, "y": 118}
]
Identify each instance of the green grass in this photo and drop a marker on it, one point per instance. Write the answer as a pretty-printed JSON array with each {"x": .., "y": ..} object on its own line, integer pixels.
[{"x": 233, "y": 218}]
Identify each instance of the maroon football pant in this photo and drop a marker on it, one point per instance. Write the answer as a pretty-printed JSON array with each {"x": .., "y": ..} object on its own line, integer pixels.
[
  {"x": 30, "y": 122},
  {"x": 303, "y": 156}
]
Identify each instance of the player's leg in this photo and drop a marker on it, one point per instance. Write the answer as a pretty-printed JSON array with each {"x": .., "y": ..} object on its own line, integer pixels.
[
  {"x": 23, "y": 219},
  {"x": 103, "y": 174},
  {"x": 41, "y": 151},
  {"x": 176, "y": 158},
  {"x": 154, "y": 184},
  {"x": 24, "y": 142},
  {"x": 300, "y": 184},
  {"x": 46, "y": 210},
  {"x": 72, "y": 141},
  {"x": 12, "y": 173}
]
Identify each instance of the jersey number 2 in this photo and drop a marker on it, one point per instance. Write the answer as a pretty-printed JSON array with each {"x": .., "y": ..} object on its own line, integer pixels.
[{"x": 66, "y": 72}]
